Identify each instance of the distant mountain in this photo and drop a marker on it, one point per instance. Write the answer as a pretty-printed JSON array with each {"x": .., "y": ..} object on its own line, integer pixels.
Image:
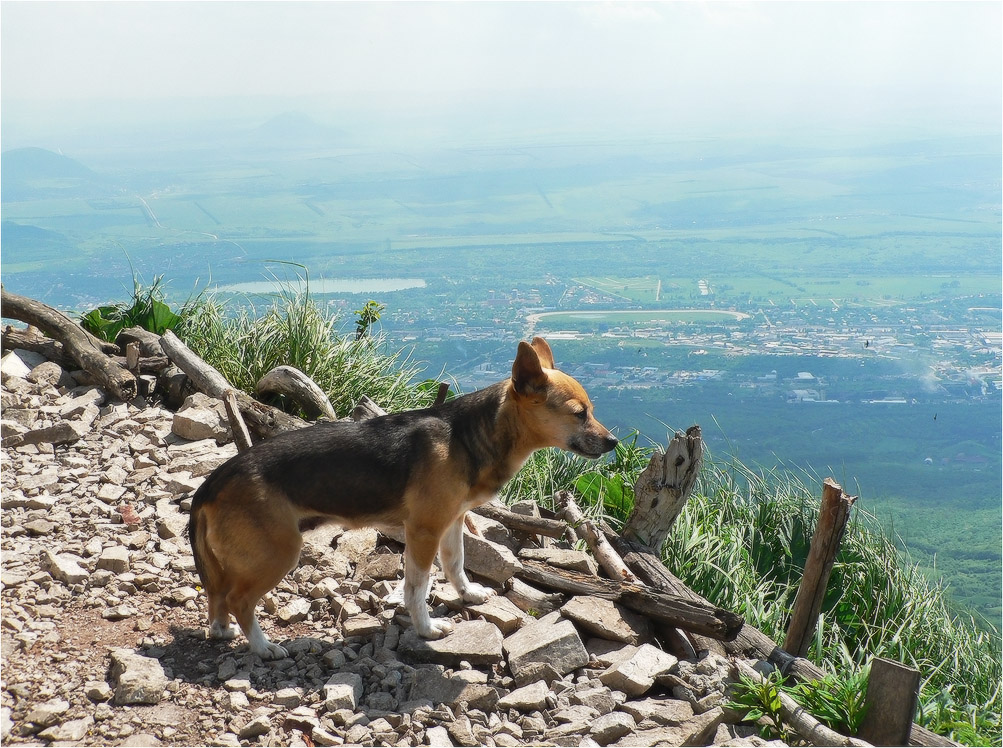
[
  {"x": 35, "y": 172},
  {"x": 296, "y": 128}
]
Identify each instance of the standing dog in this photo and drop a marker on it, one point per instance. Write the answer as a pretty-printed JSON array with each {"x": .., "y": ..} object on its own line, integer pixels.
[{"x": 422, "y": 469}]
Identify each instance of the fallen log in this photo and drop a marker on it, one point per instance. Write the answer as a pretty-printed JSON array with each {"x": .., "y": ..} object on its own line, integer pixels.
[
  {"x": 90, "y": 353},
  {"x": 702, "y": 618},
  {"x": 264, "y": 420},
  {"x": 550, "y": 528},
  {"x": 32, "y": 339},
  {"x": 288, "y": 381}
]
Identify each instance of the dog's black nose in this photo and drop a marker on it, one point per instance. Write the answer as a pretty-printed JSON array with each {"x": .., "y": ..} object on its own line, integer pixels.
[{"x": 610, "y": 443}]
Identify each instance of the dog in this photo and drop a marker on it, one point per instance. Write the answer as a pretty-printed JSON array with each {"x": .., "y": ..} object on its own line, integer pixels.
[{"x": 422, "y": 469}]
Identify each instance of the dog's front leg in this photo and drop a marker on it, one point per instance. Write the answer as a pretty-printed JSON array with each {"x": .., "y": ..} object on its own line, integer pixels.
[
  {"x": 451, "y": 555},
  {"x": 419, "y": 553}
]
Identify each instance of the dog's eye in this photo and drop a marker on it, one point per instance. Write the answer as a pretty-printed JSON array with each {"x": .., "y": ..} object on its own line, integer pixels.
[{"x": 582, "y": 415}]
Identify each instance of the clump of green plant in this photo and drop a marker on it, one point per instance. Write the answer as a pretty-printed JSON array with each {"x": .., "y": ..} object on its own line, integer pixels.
[
  {"x": 758, "y": 700},
  {"x": 366, "y": 317},
  {"x": 837, "y": 702},
  {"x": 147, "y": 310},
  {"x": 296, "y": 331}
]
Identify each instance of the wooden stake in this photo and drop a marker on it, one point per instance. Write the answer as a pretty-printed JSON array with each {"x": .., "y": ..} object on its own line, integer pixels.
[
  {"x": 241, "y": 437},
  {"x": 440, "y": 396},
  {"x": 661, "y": 491},
  {"x": 132, "y": 357},
  {"x": 832, "y": 519},
  {"x": 891, "y": 701}
]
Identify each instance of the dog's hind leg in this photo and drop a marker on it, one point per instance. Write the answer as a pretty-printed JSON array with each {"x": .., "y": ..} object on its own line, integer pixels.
[
  {"x": 219, "y": 617},
  {"x": 419, "y": 553},
  {"x": 255, "y": 551},
  {"x": 451, "y": 555}
]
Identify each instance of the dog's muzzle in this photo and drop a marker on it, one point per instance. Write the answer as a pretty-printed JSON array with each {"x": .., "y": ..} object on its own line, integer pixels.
[{"x": 594, "y": 448}]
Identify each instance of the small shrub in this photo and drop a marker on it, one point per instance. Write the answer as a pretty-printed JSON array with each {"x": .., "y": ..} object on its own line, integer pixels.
[{"x": 147, "y": 310}]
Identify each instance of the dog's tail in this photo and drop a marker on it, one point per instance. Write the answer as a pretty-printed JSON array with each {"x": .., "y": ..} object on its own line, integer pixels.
[{"x": 209, "y": 569}]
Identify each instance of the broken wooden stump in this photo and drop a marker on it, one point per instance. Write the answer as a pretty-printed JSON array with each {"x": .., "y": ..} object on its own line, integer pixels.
[
  {"x": 832, "y": 519},
  {"x": 663, "y": 488}
]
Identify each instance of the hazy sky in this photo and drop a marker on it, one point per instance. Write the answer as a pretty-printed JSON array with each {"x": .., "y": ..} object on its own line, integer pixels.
[{"x": 698, "y": 60}]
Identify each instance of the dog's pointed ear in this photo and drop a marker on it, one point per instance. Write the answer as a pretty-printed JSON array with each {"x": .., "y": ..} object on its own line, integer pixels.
[
  {"x": 527, "y": 370},
  {"x": 542, "y": 349}
]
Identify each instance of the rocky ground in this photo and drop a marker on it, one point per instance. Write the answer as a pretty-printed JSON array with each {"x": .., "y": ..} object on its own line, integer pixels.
[{"x": 104, "y": 624}]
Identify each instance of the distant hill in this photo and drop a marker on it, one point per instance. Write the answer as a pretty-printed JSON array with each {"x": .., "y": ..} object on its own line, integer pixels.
[{"x": 35, "y": 172}]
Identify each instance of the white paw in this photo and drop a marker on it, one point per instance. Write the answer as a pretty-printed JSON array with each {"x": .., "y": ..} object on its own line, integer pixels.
[
  {"x": 269, "y": 651},
  {"x": 220, "y": 631},
  {"x": 476, "y": 593},
  {"x": 437, "y": 628}
]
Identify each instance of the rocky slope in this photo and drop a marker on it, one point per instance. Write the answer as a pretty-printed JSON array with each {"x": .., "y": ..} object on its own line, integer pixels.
[{"x": 103, "y": 622}]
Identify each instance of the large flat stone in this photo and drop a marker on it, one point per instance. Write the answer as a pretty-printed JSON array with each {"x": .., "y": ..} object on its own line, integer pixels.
[
  {"x": 476, "y": 642},
  {"x": 552, "y": 640},
  {"x": 636, "y": 675},
  {"x": 137, "y": 679},
  {"x": 531, "y": 698},
  {"x": 607, "y": 620},
  {"x": 562, "y": 558},
  {"x": 697, "y": 731},
  {"x": 432, "y": 686},
  {"x": 64, "y": 566},
  {"x": 342, "y": 691},
  {"x": 662, "y": 711},
  {"x": 489, "y": 560}
]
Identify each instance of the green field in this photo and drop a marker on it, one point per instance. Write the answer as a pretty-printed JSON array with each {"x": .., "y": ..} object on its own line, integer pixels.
[{"x": 586, "y": 320}]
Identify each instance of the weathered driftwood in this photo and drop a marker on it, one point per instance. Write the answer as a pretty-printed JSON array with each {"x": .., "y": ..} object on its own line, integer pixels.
[
  {"x": 89, "y": 352},
  {"x": 832, "y": 519},
  {"x": 550, "y": 528},
  {"x": 366, "y": 408},
  {"x": 891, "y": 701},
  {"x": 601, "y": 549},
  {"x": 663, "y": 488},
  {"x": 31, "y": 339},
  {"x": 241, "y": 436},
  {"x": 290, "y": 382},
  {"x": 702, "y": 618},
  {"x": 530, "y": 599},
  {"x": 809, "y": 728},
  {"x": 149, "y": 342},
  {"x": 263, "y": 420}
]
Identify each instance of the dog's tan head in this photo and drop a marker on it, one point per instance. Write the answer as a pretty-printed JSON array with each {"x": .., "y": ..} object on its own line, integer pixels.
[{"x": 553, "y": 406}]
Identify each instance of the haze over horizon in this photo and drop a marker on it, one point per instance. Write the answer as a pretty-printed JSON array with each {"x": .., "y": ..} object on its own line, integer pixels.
[{"x": 467, "y": 71}]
